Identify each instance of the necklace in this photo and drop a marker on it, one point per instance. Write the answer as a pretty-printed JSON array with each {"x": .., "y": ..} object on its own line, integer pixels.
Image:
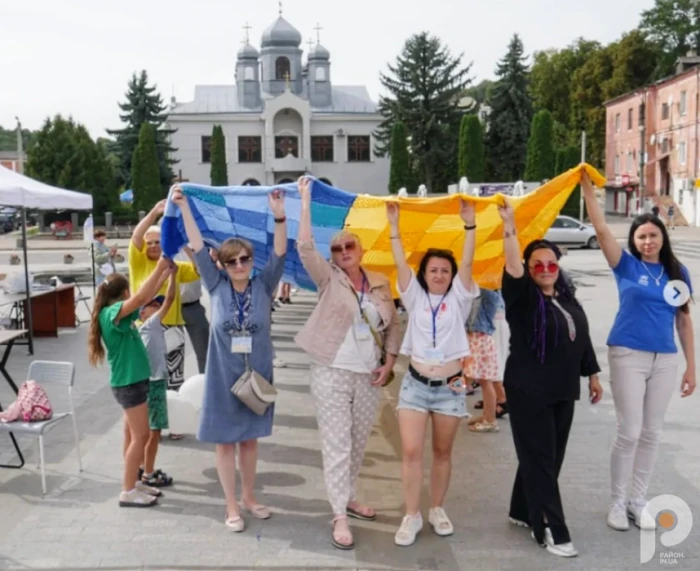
[{"x": 657, "y": 280}]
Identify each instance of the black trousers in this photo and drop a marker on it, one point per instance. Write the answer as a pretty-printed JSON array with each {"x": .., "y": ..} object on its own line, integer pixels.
[
  {"x": 197, "y": 326},
  {"x": 540, "y": 434}
]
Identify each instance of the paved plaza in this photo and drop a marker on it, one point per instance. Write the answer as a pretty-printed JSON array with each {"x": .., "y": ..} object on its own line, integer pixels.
[{"x": 78, "y": 524}]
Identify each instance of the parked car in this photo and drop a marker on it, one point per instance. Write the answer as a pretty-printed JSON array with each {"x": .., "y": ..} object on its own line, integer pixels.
[
  {"x": 567, "y": 231},
  {"x": 7, "y": 222}
]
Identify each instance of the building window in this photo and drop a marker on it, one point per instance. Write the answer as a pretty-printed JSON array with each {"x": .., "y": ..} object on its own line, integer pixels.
[
  {"x": 617, "y": 123},
  {"x": 249, "y": 74},
  {"x": 249, "y": 150},
  {"x": 282, "y": 68},
  {"x": 358, "y": 149},
  {"x": 286, "y": 146},
  {"x": 664, "y": 111},
  {"x": 320, "y": 74},
  {"x": 617, "y": 165},
  {"x": 630, "y": 119},
  {"x": 322, "y": 149},
  {"x": 326, "y": 181},
  {"x": 629, "y": 162},
  {"x": 285, "y": 181},
  {"x": 681, "y": 153},
  {"x": 684, "y": 102},
  {"x": 251, "y": 182},
  {"x": 206, "y": 149}
]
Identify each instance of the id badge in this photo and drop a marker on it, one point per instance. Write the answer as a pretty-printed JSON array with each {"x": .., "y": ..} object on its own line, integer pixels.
[
  {"x": 242, "y": 344},
  {"x": 362, "y": 332},
  {"x": 434, "y": 357}
]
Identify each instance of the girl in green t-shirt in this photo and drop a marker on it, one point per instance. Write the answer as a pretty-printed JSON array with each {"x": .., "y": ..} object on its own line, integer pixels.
[{"x": 113, "y": 334}]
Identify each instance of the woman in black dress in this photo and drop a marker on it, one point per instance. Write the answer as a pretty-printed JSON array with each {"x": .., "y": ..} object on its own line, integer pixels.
[{"x": 550, "y": 350}]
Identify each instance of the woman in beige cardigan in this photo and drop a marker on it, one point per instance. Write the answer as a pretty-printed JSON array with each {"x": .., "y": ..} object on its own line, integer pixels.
[{"x": 354, "y": 320}]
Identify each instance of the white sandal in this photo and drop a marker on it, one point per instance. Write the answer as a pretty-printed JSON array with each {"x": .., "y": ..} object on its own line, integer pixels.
[{"x": 440, "y": 522}]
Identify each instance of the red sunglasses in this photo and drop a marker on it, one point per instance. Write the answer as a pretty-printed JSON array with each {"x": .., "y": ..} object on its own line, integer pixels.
[
  {"x": 347, "y": 247},
  {"x": 541, "y": 267}
]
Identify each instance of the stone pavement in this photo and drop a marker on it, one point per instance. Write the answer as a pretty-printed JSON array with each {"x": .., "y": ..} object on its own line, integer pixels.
[{"x": 79, "y": 525}]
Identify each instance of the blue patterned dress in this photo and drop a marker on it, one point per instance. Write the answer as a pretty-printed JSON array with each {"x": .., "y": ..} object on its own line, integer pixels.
[{"x": 224, "y": 419}]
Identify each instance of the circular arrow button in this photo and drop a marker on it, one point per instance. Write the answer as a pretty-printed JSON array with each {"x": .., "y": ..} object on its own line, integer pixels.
[{"x": 676, "y": 293}]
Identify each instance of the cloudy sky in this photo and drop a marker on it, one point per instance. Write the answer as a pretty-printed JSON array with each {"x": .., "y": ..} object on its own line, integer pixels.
[{"x": 75, "y": 57}]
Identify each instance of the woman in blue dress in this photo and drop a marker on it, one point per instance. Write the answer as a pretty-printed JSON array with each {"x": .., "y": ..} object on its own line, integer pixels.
[{"x": 240, "y": 316}]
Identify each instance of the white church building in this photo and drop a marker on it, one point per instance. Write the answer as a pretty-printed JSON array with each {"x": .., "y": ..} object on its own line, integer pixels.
[{"x": 281, "y": 119}]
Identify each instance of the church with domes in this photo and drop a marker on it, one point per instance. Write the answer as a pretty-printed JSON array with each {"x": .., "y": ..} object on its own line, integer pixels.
[{"x": 282, "y": 118}]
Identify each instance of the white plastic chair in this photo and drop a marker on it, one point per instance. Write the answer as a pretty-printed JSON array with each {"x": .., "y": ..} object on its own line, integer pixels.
[{"x": 48, "y": 373}]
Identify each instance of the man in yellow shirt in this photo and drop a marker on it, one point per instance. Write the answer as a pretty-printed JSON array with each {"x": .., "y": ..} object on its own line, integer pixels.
[{"x": 144, "y": 253}]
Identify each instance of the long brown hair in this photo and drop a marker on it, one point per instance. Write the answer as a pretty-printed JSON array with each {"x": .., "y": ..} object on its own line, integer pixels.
[{"x": 110, "y": 291}]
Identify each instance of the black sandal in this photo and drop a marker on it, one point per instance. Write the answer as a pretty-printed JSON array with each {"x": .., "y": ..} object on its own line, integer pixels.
[
  {"x": 158, "y": 479},
  {"x": 504, "y": 409},
  {"x": 479, "y": 405}
]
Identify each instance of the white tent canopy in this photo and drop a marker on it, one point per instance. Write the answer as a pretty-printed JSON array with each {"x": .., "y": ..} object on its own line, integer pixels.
[{"x": 24, "y": 192}]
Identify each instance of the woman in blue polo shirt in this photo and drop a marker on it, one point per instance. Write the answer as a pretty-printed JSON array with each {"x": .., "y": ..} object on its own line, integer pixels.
[{"x": 642, "y": 352}]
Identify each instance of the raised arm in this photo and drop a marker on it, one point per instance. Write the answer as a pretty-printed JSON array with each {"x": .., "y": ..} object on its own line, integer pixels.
[
  {"x": 402, "y": 267},
  {"x": 317, "y": 267},
  {"x": 146, "y": 292},
  {"x": 276, "y": 202},
  {"x": 170, "y": 293},
  {"x": 608, "y": 243},
  {"x": 514, "y": 263},
  {"x": 194, "y": 236},
  {"x": 468, "y": 216},
  {"x": 149, "y": 220}
]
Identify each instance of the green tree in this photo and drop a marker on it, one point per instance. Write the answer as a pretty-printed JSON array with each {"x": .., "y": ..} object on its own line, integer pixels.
[
  {"x": 540, "y": 148},
  {"x": 143, "y": 105},
  {"x": 673, "y": 26},
  {"x": 634, "y": 60},
  {"x": 510, "y": 116},
  {"x": 145, "y": 175},
  {"x": 567, "y": 158},
  {"x": 218, "y": 171},
  {"x": 424, "y": 87},
  {"x": 400, "y": 173},
  {"x": 8, "y": 139},
  {"x": 65, "y": 155},
  {"x": 472, "y": 161}
]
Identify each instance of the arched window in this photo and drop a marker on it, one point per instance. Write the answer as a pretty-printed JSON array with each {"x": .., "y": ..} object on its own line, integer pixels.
[
  {"x": 285, "y": 181},
  {"x": 249, "y": 74},
  {"x": 251, "y": 182},
  {"x": 320, "y": 74},
  {"x": 326, "y": 181},
  {"x": 282, "y": 68}
]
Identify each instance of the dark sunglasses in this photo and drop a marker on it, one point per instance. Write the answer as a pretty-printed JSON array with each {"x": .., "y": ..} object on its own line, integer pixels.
[
  {"x": 541, "y": 267},
  {"x": 242, "y": 261},
  {"x": 346, "y": 247}
]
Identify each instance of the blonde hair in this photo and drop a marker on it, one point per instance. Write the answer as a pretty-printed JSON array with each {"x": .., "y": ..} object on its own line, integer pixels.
[
  {"x": 152, "y": 230},
  {"x": 109, "y": 291},
  {"x": 345, "y": 234},
  {"x": 232, "y": 246}
]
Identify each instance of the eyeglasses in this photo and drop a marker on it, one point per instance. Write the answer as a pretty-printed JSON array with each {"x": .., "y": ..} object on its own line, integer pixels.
[
  {"x": 346, "y": 247},
  {"x": 242, "y": 261},
  {"x": 541, "y": 267},
  {"x": 153, "y": 243}
]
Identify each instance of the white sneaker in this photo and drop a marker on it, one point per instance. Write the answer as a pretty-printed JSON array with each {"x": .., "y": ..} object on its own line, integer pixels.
[
  {"x": 279, "y": 363},
  {"x": 440, "y": 522},
  {"x": 149, "y": 490},
  {"x": 642, "y": 519},
  {"x": 136, "y": 499},
  {"x": 410, "y": 526},
  {"x": 560, "y": 549},
  {"x": 617, "y": 517},
  {"x": 518, "y": 522}
]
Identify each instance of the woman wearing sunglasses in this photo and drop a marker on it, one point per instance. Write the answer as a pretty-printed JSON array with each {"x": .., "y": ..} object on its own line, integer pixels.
[
  {"x": 352, "y": 325},
  {"x": 240, "y": 336},
  {"x": 438, "y": 300},
  {"x": 642, "y": 353},
  {"x": 550, "y": 350}
]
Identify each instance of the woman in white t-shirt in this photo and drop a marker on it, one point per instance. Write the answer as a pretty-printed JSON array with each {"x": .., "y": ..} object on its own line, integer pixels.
[{"x": 438, "y": 301}]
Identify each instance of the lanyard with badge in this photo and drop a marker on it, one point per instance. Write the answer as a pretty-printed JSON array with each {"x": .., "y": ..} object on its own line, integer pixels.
[
  {"x": 433, "y": 355},
  {"x": 241, "y": 340},
  {"x": 362, "y": 328}
]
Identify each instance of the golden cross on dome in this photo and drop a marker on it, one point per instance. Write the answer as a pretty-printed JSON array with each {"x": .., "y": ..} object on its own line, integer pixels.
[
  {"x": 318, "y": 29},
  {"x": 247, "y": 29}
]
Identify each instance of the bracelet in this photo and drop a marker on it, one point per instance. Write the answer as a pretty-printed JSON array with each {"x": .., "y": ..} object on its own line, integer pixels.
[
  {"x": 280, "y": 220},
  {"x": 472, "y": 227},
  {"x": 395, "y": 237}
]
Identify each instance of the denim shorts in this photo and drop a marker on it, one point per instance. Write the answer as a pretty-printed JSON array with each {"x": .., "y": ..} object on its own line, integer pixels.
[
  {"x": 131, "y": 395},
  {"x": 417, "y": 396}
]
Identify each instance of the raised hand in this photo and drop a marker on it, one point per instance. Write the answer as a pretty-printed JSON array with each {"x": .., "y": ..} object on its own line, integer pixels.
[
  {"x": 586, "y": 184},
  {"x": 276, "y": 201},
  {"x": 178, "y": 196},
  {"x": 392, "y": 213},
  {"x": 159, "y": 208},
  {"x": 506, "y": 212},
  {"x": 467, "y": 212},
  {"x": 304, "y": 184}
]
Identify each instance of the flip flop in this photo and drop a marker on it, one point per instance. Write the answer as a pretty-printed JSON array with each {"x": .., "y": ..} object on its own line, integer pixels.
[{"x": 359, "y": 515}]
